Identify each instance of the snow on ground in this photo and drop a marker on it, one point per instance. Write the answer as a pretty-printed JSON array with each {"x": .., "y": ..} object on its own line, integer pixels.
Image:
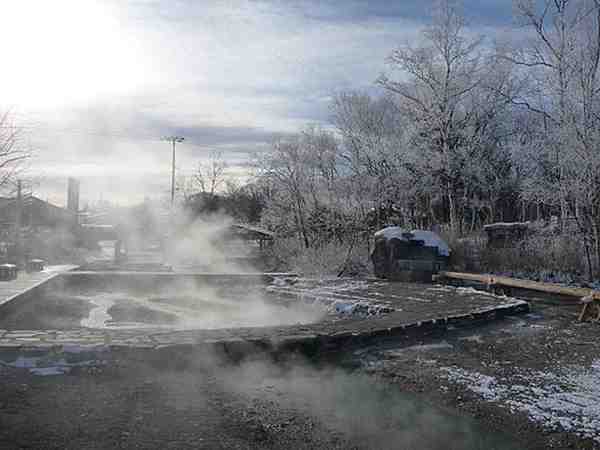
[
  {"x": 566, "y": 399},
  {"x": 57, "y": 363},
  {"x": 337, "y": 297}
]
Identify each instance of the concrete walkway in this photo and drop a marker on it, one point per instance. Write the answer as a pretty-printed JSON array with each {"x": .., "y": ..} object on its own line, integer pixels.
[{"x": 26, "y": 281}]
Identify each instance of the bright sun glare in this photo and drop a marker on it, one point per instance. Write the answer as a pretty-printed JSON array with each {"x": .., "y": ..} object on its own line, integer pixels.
[{"x": 63, "y": 52}]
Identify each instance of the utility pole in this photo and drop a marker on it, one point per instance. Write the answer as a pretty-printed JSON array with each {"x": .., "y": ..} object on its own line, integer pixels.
[
  {"x": 18, "y": 224},
  {"x": 173, "y": 140}
]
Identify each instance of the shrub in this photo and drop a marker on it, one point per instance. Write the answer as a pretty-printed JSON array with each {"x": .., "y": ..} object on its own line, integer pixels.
[
  {"x": 544, "y": 257},
  {"x": 330, "y": 259}
]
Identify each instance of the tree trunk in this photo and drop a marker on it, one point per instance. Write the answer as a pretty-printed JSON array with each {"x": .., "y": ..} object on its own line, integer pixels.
[
  {"x": 451, "y": 210},
  {"x": 588, "y": 258},
  {"x": 597, "y": 247},
  {"x": 303, "y": 232}
]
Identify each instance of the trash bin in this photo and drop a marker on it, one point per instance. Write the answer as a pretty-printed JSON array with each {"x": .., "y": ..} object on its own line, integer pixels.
[
  {"x": 34, "y": 265},
  {"x": 8, "y": 272}
]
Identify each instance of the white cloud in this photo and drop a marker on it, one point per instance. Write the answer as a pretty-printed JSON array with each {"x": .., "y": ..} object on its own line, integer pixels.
[{"x": 103, "y": 80}]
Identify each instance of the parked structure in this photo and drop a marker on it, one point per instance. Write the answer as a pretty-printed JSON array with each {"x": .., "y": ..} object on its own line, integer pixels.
[{"x": 400, "y": 255}]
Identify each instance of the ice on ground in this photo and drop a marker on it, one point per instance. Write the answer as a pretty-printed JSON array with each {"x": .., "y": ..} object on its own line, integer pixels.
[{"x": 566, "y": 399}]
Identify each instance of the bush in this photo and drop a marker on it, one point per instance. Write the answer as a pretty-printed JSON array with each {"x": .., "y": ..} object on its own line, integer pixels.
[
  {"x": 465, "y": 252},
  {"x": 329, "y": 259},
  {"x": 545, "y": 257}
]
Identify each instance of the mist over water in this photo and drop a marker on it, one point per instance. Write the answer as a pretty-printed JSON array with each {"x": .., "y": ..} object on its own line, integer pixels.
[
  {"x": 206, "y": 244},
  {"x": 202, "y": 308},
  {"x": 198, "y": 245},
  {"x": 363, "y": 412}
]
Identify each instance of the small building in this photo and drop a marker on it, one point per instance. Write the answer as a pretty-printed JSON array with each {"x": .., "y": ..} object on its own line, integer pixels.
[
  {"x": 251, "y": 233},
  {"x": 36, "y": 213},
  {"x": 506, "y": 234},
  {"x": 45, "y": 229}
]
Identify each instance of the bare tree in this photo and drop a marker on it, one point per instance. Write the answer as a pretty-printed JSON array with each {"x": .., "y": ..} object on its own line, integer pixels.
[
  {"x": 302, "y": 173},
  {"x": 210, "y": 175},
  {"x": 13, "y": 149},
  {"x": 373, "y": 151}
]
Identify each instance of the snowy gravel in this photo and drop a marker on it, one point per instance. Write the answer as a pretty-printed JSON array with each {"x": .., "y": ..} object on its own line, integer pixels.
[{"x": 565, "y": 399}]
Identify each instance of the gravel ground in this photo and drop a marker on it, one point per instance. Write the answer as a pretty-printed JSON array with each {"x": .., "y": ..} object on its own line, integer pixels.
[
  {"x": 530, "y": 381},
  {"x": 256, "y": 405},
  {"x": 536, "y": 376}
]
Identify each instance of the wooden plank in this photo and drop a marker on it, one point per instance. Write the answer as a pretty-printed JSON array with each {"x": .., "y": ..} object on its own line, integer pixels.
[{"x": 550, "y": 288}]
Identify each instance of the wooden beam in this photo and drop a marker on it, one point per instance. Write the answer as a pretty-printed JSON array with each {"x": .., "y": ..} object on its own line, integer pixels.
[{"x": 550, "y": 288}]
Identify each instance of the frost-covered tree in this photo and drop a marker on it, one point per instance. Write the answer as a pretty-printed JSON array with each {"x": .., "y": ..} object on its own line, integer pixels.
[
  {"x": 301, "y": 171},
  {"x": 560, "y": 63},
  {"x": 447, "y": 88}
]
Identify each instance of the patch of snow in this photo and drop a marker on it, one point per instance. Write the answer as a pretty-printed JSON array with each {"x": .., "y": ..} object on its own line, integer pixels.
[
  {"x": 507, "y": 301},
  {"x": 392, "y": 233},
  {"x": 474, "y": 338},
  {"x": 49, "y": 364},
  {"x": 506, "y": 224},
  {"x": 46, "y": 371},
  {"x": 344, "y": 308},
  {"x": 566, "y": 399},
  {"x": 431, "y": 240},
  {"x": 340, "y": 297},
  {"x": 25, "y": 362},
  {"x": 425, "y": 347},
  {"x": 78, "y": 348},
  {"x": 484, "y": 385}
]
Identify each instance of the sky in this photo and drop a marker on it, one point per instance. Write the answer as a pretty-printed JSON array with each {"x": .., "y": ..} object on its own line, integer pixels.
[{"x": 96, "y": 83}]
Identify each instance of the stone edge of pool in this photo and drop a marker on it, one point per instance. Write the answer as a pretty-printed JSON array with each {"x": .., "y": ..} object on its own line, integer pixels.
[{"x": 236, "y": 343}]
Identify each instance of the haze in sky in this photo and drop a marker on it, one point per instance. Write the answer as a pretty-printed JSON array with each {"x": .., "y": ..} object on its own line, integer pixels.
[{"x": 97, "y": 83}]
